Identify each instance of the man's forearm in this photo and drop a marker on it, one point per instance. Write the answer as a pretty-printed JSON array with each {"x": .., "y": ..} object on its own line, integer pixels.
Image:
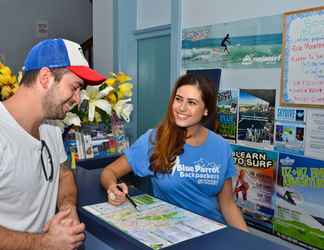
[
  {"x": 14, "y": 240},
  {"x": 67, "y": 196}
]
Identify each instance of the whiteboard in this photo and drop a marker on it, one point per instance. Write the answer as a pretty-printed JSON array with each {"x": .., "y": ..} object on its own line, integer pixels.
[{"x": 302, "y": 74}]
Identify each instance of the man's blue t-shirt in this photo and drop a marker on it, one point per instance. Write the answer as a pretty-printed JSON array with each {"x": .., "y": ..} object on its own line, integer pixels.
[{"x": 197, "y": 175}]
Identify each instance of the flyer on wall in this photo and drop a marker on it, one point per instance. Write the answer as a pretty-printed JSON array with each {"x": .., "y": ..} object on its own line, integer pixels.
[
  {"x": 256, "y": 117},
  {"x": 290, "y": 130},
  {"x": 254, "y": 184},
  {"x": 294, "y": 115},
  {"x": 289, "y": 138},
  {"x": 299, "y": 210},
  {"x": 227, "y": 113},
  {"x": 314, "y": 143}
]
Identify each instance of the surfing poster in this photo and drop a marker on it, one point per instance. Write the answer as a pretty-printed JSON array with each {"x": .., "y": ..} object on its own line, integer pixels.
[
  {"x": 254, "y": 184},
  {"x": 244, "y": 44}
]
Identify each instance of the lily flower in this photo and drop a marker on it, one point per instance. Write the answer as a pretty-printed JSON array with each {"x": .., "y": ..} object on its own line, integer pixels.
[
  {"x": 72, "y": 119},
  {"x": 96, "y": 99},
  {"x": 123, "y": 109}
]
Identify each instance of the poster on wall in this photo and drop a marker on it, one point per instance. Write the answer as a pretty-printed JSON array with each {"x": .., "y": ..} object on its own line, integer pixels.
[
  {"x": 254, "y": 184},
  {"x": 244, "y": 44},
  {"x": 256, "y": 117},
  {"x": 299, "y": 209},
  {"x": 227, "y": 107},
  {"x": 290, "y": 130},
  {"x": 314, "y": 141},
  {"x": 302, "y": 81}
]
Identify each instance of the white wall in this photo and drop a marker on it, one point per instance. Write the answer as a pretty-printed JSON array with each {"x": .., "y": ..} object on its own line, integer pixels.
[
  {"x": 103, "y": 36},
  {"x": 70, "y": 19},
  {"x": 153, "y": 13},
  {"x": 215, "y": 11}
]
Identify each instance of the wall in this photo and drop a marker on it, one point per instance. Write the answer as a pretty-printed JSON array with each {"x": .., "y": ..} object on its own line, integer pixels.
[
  {"x": 223, "y": 11},
  {"x": 103, "y": 35},
  {"x": 153, "y": 13},
  {"x": 70, "y": 19}
]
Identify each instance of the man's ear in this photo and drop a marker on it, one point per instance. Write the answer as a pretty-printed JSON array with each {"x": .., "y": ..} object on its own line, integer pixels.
[{"x": 44, "y": 77}]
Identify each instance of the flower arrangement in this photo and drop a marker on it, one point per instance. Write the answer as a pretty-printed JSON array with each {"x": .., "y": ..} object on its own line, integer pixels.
[
  {"x": 9, "y": 83},
  {"x": 101, "y": 103}
]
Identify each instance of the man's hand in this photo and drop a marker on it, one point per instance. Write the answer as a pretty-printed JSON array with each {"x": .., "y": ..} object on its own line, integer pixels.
[
  {"x": 73, "y": 215},
  {"x": 63, "y": 232}
]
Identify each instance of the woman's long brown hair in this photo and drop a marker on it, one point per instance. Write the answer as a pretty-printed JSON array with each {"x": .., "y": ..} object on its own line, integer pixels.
[{"x": 170, "y": 139}]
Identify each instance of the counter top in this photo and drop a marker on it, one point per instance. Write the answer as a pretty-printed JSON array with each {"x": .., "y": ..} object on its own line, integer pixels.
[{"x": 91, "y": 192}]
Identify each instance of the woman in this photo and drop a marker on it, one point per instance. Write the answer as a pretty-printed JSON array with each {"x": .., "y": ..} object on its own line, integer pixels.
[{"x": 189, "y": 165}]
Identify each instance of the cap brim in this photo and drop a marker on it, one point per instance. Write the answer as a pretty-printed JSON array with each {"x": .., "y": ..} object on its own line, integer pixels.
[{"x": 90, "y": 76}]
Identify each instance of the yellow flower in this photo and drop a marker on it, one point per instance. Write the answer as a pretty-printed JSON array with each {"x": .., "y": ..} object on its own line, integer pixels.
[
  {"x": 5, "y": 70},
  {"x": 15, "y": 87},
  {"x": 125, "y": 90},
  {"x": 112, "y": 97},
  {"x": 110, "y": 81},
  {"x": 4, "y": 79},
  {"x": 122, "y": 77},
  {"x": 6, "y": 91},
  {"x": 12, "y": 79}
]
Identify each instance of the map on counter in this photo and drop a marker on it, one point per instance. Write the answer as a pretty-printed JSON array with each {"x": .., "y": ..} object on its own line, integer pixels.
[{"x": 157, "y": 224}]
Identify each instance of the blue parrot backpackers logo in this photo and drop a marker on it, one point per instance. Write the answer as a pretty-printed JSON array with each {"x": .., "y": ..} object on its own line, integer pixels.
[{"x": 203, "y": 172}]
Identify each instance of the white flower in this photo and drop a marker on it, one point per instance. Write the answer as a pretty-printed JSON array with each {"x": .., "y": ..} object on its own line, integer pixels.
[
  {"x": 72, "y": 119},
  {"x": 96, "y": 99},
  {"x": 124, "y": 109}
]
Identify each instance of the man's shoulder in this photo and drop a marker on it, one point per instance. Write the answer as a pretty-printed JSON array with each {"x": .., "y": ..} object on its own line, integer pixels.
[{"x": 50, "y": 126}]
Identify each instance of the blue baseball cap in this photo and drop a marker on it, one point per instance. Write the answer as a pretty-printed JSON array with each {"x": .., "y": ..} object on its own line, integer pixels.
[{"x": 62, "y": 53}]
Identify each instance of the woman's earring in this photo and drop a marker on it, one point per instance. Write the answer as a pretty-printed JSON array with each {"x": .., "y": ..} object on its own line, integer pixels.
[{"x": 206, "y": 113}]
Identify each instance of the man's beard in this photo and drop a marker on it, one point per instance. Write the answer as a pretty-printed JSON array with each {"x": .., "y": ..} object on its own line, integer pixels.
[{"x": 54, "y": 111}]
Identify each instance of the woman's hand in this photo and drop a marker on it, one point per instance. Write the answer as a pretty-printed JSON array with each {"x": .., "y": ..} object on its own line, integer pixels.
[{"x": 115, "y": 195}]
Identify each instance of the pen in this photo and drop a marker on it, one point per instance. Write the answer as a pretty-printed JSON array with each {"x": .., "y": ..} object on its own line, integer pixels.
[{"x": 128, "y": 198}]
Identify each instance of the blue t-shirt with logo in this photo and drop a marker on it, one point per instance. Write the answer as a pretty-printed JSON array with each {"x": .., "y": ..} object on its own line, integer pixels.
[{"x": 197, "y": 175}]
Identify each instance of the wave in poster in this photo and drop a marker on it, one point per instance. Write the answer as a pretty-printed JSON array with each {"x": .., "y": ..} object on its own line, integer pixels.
[{"x": 235, "y": 45}]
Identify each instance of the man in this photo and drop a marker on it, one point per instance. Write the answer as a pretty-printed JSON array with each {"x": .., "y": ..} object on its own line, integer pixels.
[
  {"x": 224, "y": 42},
  {"x": 34, "y": 182}
]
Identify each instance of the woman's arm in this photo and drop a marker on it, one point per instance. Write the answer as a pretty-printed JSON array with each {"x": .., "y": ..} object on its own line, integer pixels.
[
  {"x": 109, "y": 179},
  {"x": 228, "y": 207}
]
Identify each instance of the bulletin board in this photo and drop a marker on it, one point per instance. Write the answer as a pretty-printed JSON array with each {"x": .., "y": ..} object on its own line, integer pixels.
[{"x": 302, "y": 74}]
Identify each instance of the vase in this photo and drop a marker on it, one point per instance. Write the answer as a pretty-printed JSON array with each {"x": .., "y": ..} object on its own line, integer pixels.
[{"x": 119, "y": 132}]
